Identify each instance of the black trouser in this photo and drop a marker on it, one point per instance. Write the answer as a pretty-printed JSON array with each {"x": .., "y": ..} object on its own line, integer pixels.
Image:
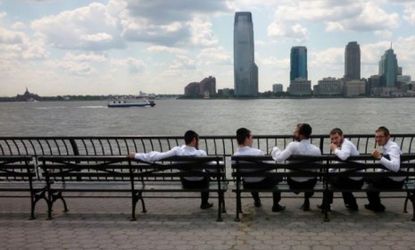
[
  {"x": 309, "y": 184},
  {"x": 383, "y": 182},
  {"x": 204, "y": 183},
  {"x": 343, "y": 182},
  {"x": 267, "y": 183}
]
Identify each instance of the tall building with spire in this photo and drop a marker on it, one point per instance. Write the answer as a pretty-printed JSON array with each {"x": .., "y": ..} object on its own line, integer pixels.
[
  {"x": 298, "y": 68},
  {"x": 352, "y": 61},
  {"x": 388, "y": 68},
  {"x": 245, "y": 69}
]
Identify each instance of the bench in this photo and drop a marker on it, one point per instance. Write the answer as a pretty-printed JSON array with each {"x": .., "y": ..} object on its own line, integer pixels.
[
  {"x": 18, "y": 174},
  {"x": 119, "y": 174},
  {"x": 319, "y": 167}
]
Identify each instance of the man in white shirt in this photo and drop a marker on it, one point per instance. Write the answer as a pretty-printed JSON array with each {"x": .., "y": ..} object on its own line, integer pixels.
[
  {"x": 301, "y": 146},
  {"x": 245, "y": 140},
  {"x": 190, "y": 148},
  {"x": 391, "y": 159},
  {"x": 343, "y": 149}
]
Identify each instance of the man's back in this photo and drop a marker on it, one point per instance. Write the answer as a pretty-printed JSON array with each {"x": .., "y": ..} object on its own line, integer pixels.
[
  {"x": 303, "y": 147},
  {"x": 183, "y": 150}
]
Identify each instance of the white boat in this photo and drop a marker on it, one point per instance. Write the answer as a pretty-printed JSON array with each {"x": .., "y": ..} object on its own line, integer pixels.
[{"x": 125, "y": 103}]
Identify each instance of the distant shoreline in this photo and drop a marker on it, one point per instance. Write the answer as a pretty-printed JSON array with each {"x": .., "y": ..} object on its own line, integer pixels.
[{"x": 106, "y": 98}]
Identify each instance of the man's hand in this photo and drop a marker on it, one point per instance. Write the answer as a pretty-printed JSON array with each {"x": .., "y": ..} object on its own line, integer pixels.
[
  {"x": 376, "y": 154},
  {"x": 333, "y": 147},
  {"x": 131, "y": 156}
]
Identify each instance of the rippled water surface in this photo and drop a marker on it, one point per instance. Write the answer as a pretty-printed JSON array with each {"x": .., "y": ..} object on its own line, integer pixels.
[{"x": 208, "y": 117}]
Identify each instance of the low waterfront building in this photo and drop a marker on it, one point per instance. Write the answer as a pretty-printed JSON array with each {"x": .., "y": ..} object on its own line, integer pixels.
[
  {"x": 329, "y": 86},
  {"x": 28, "y": 97},
  {"x": 277, "y": 88},
  {"x": 354, "y": 88},
  {"x": 300, "y": 87},
  {"x": 205, "y": 88},
  {"x": 208, "y": 87},
  {"x": 226, "y": 92},
  {"x": 192, "y": 89}
]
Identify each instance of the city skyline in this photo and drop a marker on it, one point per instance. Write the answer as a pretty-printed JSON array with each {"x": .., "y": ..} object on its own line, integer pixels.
[{"x": 124, "y": 46}]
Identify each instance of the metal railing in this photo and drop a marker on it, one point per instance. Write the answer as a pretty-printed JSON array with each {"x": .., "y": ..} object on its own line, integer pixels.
[{"x": 213, "y": 145}]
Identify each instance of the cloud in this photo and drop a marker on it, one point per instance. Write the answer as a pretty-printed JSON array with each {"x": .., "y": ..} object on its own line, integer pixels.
[
  {"x": 11, "y": 37},
  {"x": 133, "y": 65},
  {"x": 409, "y": 15},
  {"x": 18, "y": 26},
  {"x": 317, "y": 10},
  {"x": 274, "y": 62},
  {"x": 202, "y": 34},
  {"x": 354, "y": 15},
  {"x": 141, "y": 30},
  {"x": 327, "y": 57},
  {"x": 182, "y": 63},
  {"x": 214, "y": 56},
  {"x": 85, "y": 57},
  {"x": 2, "y": 14},
  {"x": 372, "y": 18},
  {"x": 279, "y": 30},
  {"x": 171, "y": 23},
  {"x": 159, "y": 48},
  {"x": 161, "y": 12},
  {"x": 17, "y": 45},
  {"x": 87, "y": 28}
]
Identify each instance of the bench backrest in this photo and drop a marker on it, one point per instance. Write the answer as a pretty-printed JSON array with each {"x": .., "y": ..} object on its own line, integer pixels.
[
  {"x": 262, "y": 166},
  {"x": 320, "y": 166},
  {"x": 16, "y": 168},
  {"x": 120, "y": 168},
  {"x": 177, "y": 167},
  {"x": 85, "y": 168},
  {"x": 213, "y": 145}
]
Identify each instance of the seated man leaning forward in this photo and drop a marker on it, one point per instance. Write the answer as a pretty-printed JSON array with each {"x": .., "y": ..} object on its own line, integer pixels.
[
  {"x": 245, "y": 140},
  {"x": 191, "y": 139},
  {"x": 300, "y": 146},
  {"x": 391, "y": 159},
  {"x": 343, "y": 149}
]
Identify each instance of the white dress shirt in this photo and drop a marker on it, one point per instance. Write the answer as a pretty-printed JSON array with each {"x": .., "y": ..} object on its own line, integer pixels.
[
  {"x": 392, "y": 149},
  {"x": 183, "y": 150},
  {"x": 303, "y": 147},
  {"x": 246, "y": 150},
  {"x": 346, "y": 150}
]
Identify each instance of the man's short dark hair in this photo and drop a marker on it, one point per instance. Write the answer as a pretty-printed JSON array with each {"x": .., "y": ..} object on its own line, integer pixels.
[
  {"x": 384, "y": 130},
  {"x": 189, "y": 135},
  {"x": 305, "y": 130},
  {"x": 242, "y": 134},
  {"x": 336, "y": 131}
]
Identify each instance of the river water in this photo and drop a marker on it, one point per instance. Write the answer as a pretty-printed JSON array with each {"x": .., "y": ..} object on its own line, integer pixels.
[{"x": 207, "y": 117}]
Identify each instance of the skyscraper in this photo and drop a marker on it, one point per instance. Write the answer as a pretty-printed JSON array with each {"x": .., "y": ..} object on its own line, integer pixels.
[
  {"x": 298, "y": 67},
  {"x": 388, "y": 68},
  {"x": 245, "y": 69},
  {"x": 352, "y": 61}
]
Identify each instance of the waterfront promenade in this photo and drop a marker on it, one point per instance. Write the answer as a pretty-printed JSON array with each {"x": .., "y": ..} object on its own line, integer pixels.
[{"x": 96, "y": 223}]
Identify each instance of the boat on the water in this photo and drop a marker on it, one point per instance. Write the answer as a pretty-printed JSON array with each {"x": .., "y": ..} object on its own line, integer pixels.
[{"x": 125, "y": 103}]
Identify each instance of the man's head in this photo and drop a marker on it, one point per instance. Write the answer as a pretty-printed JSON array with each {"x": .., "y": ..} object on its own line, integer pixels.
[
  {"x": 336, "y": 137},
  {"x": 302, "y": 131},
  {"x": 244, "y": 137},
  {"x": 382, "y": 136},
  {"x": 191, "y": 138}
]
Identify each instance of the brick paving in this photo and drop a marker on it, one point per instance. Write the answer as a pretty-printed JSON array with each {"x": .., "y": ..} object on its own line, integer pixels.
[{"x": 98, "y": 223}]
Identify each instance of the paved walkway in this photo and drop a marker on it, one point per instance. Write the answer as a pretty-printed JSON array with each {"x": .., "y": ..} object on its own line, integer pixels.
[{"x": 180, "y": 224}]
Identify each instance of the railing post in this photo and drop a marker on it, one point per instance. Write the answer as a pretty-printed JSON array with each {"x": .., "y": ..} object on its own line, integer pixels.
[{"x": 74, "y": 146}]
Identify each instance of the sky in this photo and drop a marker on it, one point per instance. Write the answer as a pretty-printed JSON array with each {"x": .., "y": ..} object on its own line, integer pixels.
[{"x": 79, "y": 47}]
